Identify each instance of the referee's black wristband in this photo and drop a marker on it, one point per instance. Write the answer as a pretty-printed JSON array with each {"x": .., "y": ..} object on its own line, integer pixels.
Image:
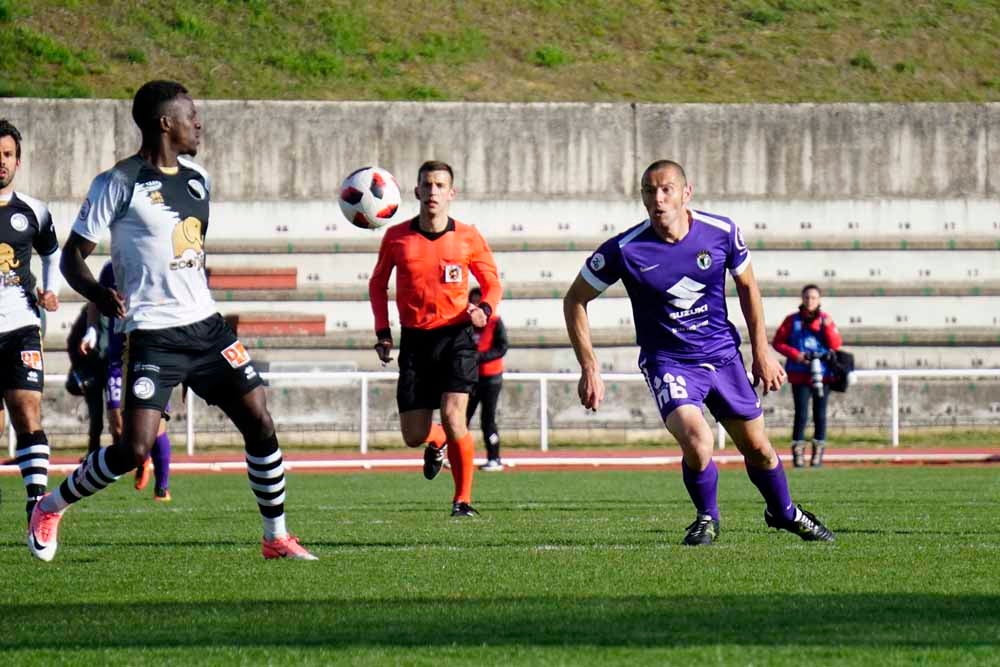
[{"x": 384, "y": 334}]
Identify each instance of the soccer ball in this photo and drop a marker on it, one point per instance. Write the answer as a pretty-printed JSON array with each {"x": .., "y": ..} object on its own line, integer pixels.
[{"x": 369, "y": 197}]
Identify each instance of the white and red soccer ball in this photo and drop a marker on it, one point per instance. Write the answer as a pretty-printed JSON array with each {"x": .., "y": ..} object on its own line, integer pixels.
[{"x": 369, "y": 197}]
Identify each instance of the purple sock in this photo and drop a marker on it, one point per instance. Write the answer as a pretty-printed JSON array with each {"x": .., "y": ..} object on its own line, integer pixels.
[
  {"x": 773, "y": 485},
  {"x": 161, "y": 461},
  {"x": 703, "y": 488}
]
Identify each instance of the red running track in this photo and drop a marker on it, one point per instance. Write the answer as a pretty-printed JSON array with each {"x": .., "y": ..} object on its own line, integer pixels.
[{"x": 561, "y": 459}]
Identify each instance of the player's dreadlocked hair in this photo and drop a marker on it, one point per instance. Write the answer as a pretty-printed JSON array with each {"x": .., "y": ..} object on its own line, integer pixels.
[
  {"x": 151, "y": 101},
  {"x": 7, "y": 129}
]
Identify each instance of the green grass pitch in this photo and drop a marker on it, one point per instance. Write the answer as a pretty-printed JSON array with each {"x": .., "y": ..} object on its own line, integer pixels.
[{"x": 563, "y": 568}]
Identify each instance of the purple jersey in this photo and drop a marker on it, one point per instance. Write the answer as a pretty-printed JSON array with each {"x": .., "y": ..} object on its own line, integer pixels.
[{"x": 677, "y": 289}]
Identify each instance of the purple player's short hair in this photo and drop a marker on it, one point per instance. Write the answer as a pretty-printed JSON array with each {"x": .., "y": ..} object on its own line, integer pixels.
[{"x": 663, "y": 164}]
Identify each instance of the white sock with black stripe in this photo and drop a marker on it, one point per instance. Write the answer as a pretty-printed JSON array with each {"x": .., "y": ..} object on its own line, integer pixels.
[
  {"x": 32, "y": 457},
  {"x": 266, "y": 472},
  {"x": 89, "y": 477}
]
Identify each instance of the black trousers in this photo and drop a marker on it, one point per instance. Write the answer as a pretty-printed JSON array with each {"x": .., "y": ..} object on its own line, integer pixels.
[
  {"x": 802, "y": 393},
  {"x": 94, "y": 396},
  {"x": 487, "y": 393}
]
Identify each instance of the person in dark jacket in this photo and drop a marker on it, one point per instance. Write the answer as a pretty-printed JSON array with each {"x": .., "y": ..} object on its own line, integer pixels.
[
  {"x": 491, "y": 341},
  {"x": 808, "y": 338},
  {"x": 87, "y": 345}
]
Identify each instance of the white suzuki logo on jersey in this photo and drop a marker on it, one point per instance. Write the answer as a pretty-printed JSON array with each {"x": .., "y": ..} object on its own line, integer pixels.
[{"x": 686, "y": 291}]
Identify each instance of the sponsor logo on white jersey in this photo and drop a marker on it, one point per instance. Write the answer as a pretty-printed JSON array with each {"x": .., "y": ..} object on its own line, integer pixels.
[
  {"x": 686, "y": 293},
  {"x": 196, "y": 189},
  {"x": 85, "y": 209}
]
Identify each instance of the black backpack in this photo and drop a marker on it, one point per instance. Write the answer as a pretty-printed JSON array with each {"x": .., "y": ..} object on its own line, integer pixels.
[{"x": 841, "y": 367}]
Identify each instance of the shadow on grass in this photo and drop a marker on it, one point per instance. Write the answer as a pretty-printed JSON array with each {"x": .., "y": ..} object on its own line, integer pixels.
[{"x": 844, "y": 620}]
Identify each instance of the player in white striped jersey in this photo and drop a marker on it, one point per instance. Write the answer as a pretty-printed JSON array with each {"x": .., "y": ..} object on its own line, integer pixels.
[
  {"x": 156, "y": 205},
  {"x": 25, "y": 224}
]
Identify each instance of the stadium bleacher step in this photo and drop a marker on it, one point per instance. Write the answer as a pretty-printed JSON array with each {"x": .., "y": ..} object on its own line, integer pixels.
[
  {"x": 253, "y": 324},
  {"x": 251, "y": 278},
  {"x": 586, "y": 243}
]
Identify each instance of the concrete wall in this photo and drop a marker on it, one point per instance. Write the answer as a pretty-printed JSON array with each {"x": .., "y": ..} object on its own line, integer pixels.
[
  {"x": 261, "y": 151},
  {"x": 628, "y": 409}
]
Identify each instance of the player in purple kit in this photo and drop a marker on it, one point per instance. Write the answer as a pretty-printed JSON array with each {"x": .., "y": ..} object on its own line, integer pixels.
[{"x": 673, "y": 266}]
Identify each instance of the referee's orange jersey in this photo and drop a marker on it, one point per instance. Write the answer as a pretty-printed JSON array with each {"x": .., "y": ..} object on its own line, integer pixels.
[{"x": 432, "y": 274}]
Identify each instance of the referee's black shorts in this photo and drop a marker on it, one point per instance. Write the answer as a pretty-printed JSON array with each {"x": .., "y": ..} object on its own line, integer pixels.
[{"x": 433, "y": 362}]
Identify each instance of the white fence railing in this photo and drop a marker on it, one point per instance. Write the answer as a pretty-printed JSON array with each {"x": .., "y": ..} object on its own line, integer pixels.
[{"x": 543, "y": 380}]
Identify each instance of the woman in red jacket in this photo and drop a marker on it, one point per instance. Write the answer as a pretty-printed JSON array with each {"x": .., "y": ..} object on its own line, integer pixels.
[{"x": 807, "y": 338}]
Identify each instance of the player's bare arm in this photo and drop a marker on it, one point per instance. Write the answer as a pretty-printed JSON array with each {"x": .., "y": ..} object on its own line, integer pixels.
[
  {"x": 77, "y": 273},
  {"x": 591, "y": 386},
  {"x": 765, "y": 369}
]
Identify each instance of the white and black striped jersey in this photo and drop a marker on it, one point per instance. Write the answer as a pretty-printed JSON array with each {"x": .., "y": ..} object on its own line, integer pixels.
[
  {"x": 25, "y": 223},
  {"x": 158, "y": 222}
]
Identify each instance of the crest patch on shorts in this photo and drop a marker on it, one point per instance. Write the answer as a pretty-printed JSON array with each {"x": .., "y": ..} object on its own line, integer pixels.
[
  {"x": 236, "y": 354},
  {"x": 143, "y": 388}
]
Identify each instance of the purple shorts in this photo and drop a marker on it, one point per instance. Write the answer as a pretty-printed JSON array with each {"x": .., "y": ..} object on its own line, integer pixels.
[{"x": 725, "y": 389}]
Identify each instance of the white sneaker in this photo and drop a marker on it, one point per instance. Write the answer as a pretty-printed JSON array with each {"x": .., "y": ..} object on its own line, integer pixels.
[{"x": 492, "y": 465}]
